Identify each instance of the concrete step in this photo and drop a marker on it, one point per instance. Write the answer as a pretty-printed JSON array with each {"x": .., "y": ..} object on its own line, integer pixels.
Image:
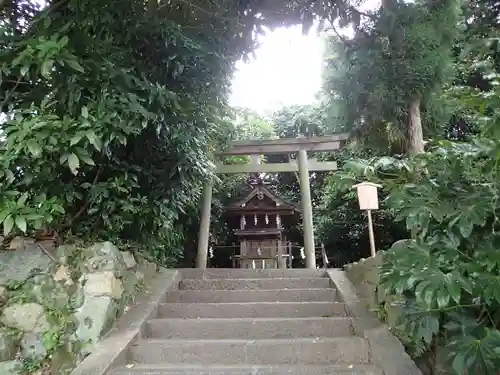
[
  {"x": 229, "y": 273},
  {"x": 273, "y": 295},
  {"x": 243, "y": 284},
  {"x": 137, "y": 369},
  {"x": 251, "y": 310},
  {"x": 268, "y": 352},
  {"x": 248, "y": 328}
]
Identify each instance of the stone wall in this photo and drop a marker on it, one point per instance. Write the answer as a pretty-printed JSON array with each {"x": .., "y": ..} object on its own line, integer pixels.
[
  {"x": 56, "y": 304},
  {"x": 364, "y": 276}
]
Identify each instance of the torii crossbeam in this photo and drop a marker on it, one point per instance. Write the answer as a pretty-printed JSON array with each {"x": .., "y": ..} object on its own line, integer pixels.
[{"x": 301, "y": 145}]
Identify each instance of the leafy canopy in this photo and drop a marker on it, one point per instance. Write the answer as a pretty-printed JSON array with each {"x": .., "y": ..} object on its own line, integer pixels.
[
  {"x": 111, "y": 111},
  {"x": 400, "y": 52},
  {"x": 448, "y": 274}
]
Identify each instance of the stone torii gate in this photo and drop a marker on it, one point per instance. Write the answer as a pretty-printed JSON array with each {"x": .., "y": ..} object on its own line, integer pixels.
[{"x": 301, "y": 145}]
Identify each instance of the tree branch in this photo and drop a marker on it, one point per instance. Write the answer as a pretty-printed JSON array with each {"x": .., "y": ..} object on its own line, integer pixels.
[
  {"x": 342, "y": 38},
  {"x": 367, "y": 15},
  {"x": 82, "y": 209}
]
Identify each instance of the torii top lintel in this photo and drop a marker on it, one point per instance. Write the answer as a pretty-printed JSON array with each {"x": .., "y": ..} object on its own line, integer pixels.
[{"x": 285, "y": 145}]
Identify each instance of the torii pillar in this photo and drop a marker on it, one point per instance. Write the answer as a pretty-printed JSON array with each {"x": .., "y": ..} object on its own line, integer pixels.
[
  {"x": 204, "y": 234},
  {"x": 307, "y": 214}
]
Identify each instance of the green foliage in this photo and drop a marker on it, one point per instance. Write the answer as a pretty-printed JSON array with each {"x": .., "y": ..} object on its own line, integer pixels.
[
  {"x": 290, "y": 122},
  {"x": 448, "y": 199},
  {"x": 451, "y": 271},
  {"x": 340, "y": 225},
  {"x": 401, "y": 52},
  {"x": 247, "y": 124},
  {"x": 108, "y": 136},
  {"x": 112, "y": 111},
  {"x": 295, "y": 120}
]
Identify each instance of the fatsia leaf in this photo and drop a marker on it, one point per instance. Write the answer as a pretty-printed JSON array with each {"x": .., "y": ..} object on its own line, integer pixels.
[
  {"x": 443, "y": 298},
  {"x": 454, "y": 288},
  {"x": 475, "y": 353},
  {"x": 465, "y": 226},
  {"x": 420, "y": 323},
  {"x": 488, "y": 285}
]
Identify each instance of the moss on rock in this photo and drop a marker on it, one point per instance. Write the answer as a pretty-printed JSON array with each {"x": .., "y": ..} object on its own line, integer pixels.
[{"x": 54, "y": 316}]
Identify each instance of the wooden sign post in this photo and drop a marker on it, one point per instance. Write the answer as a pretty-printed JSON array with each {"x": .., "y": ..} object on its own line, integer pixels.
[{"x": 368, "y": 201}]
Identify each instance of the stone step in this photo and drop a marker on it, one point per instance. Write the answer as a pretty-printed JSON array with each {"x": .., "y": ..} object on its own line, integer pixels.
[
  {"x": 137, "y": 369},
  {"x": 351, "y": 350},
  {"x": 273, "y": 295},
  {"x": 224, "y": 273},
  {"x": 251, "y": 310},
  {"x": 243, "y": 284},
  {"x": 249, "y": 328}
]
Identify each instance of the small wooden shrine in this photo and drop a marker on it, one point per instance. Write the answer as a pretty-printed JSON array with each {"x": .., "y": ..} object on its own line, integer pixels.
[{"x": 257, "y": 222}]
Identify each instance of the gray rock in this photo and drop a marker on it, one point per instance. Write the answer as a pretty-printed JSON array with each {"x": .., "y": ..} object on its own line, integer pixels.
[
  {"x": 48, "y": 292},
  {"x": 105, "y": 257},
  {"x": 402, "y": 244},
  {"x": 130, "y": 288},
  {"x": 32, "y": 346},
  {"x": 10, "y": 368},
  {"x": 149, "y": 269},
  {"x": 63, "y": 361},
  {"x": 95, "y": 318},
  {"x": 381, "y": 296},
  {"x": 103, "y": 284},
  {"x": 28, "y": 317},
  {"x": 65, "y": 253},
  {"x": 8, "y": 346},
  {"x": 78, "y": 296},
  {"x": 139, "y": 277},
  {"x": 18, "y": 265},
  {"x": 101, "y": 263},
  {"x": 129, "y": 260},
  {"x": 19, "y": 243},
  {"x": 4, "y": 295},
  {"x": 105, "y": 248},
  {"x": 63, "y": 274}
]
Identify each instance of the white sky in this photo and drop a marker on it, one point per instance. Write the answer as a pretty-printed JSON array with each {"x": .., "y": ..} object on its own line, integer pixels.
[{"x": 287, "y": 70}]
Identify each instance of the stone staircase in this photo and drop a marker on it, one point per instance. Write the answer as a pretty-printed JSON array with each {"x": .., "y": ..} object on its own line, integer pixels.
[{"x": 251, "y": 322}]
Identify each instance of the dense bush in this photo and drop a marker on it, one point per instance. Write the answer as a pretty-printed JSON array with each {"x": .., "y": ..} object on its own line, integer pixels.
[{"x": 448, "y": 199}]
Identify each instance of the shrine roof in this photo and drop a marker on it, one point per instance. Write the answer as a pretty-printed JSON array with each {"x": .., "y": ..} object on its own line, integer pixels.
[
  {"x": 267, "y": 201},
  {"x": 257, "y": 232}
]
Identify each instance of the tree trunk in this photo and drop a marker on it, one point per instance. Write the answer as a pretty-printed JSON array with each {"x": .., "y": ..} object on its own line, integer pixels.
[{"x": 414, "y": 131}]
